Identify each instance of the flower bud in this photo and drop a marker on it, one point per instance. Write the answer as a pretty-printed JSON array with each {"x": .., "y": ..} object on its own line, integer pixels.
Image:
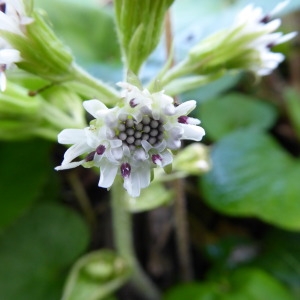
[
  {"x": 139, "y": 26},
  {"x": 192, "y": 160}
]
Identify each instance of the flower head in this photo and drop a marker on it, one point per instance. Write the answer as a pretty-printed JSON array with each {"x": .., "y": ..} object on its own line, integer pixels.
[
  {"x": 251, "y": 21},
  {"x": 246, "y": 45},
  {"x": 132, "y": 138}
]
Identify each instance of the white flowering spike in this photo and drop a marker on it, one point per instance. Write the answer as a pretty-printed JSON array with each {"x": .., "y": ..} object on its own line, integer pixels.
[
  {"x": 131, "y": 139},
  {"x": 245, "y": 45},
  {"x": 258, "y": 30}
]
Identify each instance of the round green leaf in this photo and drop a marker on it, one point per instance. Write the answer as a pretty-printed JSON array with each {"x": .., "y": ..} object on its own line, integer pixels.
[
  {"x": 24, "y": 170},
  {"x": 280, "y": 256},
  {"x": 242, "y": 284},
  {"x": 225, "y": 114},
  {"x": 252, "y": 176},
  {"x": 37, "y": 251}
]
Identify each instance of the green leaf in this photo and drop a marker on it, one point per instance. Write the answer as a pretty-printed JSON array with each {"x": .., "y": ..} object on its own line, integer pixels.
[
  {"x": 24, "y": 169},
  {"x": 242, "y": 284},
  {"x": 280, "y": 256},
  {"x": 95, "y": 276},
  {"x": 225, "y": 114},
  {"x": 253, "y": 176},
  {"x": 193, "y": 291},
  {"x": 139, "y": 27},
  {"x": 37, "y": 251}
]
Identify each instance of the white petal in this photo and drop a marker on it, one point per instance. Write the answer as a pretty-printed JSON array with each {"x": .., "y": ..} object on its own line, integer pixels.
[
  {"x": 75, "y": 151},
  {"x": 132, "y": 185},
  {"x": 273, "y": 25},
  {"x": 280, "y": 6},
  {"x": 145, "y": 176},
  {"x": 71, "y": 136},
  {"x": 117, "y": 153},
  {"x": 108, "y": 172},
  {"x": 169, "y": 110},
  {"x": 93, "y": 107},
  {"x": 167, "y": 158},
  {"x": 173, "y": 144},
  {"x": 2, "y": 81},
  {"x": 115, "y": 143},
  {"x": 161, "y": 147},
  {"x": 176, "y": 132},
  {"x": 193, "y": 121},
  {"x": 146, "y": 145},
  {"x": 70, "y": 165},
  {"x": 140, "y": 155},
  {"x": 286, "y": 37},
  {"x": 192, "y": 132},
  {"x": 9, "y": 56},
  {"x": 185, "y": 108}
]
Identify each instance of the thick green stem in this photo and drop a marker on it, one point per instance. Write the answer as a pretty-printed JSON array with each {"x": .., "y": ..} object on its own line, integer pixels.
[
  {"x": 90, "y": 87},
  {"x": 122, "y": 230}
]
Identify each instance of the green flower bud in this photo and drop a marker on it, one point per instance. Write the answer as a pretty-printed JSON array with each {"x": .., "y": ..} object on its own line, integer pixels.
[
  {"x": 192, "y": 160},
  {"x": 245, "y": 45},
  {"x": 139, "y": 26}
]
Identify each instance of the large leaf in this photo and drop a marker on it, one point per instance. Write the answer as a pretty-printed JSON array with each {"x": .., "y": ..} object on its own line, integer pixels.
[
  {"x": 279, "y": 255},
  {"x": 225, "y": 114},
  {"x": 253, "y": 176},
  {"x": 37, "y": 251},
  {"x": 243, "y": 284},
  {"x": 23, "y": 173}
]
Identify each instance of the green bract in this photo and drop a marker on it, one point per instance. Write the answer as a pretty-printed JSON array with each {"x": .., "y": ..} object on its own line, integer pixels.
[{"x": 139, "y": 25}]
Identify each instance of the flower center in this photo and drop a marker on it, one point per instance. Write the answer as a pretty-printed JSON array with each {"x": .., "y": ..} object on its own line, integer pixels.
[{"x": 133, "y": 133}]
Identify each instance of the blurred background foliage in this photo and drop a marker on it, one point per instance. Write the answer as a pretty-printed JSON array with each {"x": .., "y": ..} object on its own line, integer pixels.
[{"x": 244, "y": 214}]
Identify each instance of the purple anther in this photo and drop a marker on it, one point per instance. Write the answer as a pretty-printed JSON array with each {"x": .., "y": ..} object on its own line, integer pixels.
[
  {"x": 133, "y": 103},
  {"x": 183, "y": 119},
  {"x": 156, "y": 158},
  {"x": 3, "y": 7},
  {"x": 266, "y": 19},
  {"x": 100, "y": 149},
  {"x": 90, "y": 156},
  {"x": 125, "y": 170}
]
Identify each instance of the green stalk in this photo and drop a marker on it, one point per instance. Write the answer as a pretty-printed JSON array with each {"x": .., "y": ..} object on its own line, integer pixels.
[
  {"x": 122, "y": 230},
  {"x": 90, "y": 87}
]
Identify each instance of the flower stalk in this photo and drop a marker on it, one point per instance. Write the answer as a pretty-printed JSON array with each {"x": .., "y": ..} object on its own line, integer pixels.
[
  {"x": 90, "y": 87},
  {"x": 122, "y": 230}
]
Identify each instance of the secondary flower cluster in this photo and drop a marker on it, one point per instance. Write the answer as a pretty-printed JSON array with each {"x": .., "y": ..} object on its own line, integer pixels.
[
  {"x": 245, "y": 45},
  {"x": 131, "y": 138},
  {"x": 253, "y": 22}
]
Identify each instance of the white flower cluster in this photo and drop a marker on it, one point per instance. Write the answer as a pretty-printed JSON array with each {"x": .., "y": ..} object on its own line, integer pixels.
[
  {"x": 132, "y": 138},
  {"x": 258, "y": 30},
  {"x": 12, "y": 19}
]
